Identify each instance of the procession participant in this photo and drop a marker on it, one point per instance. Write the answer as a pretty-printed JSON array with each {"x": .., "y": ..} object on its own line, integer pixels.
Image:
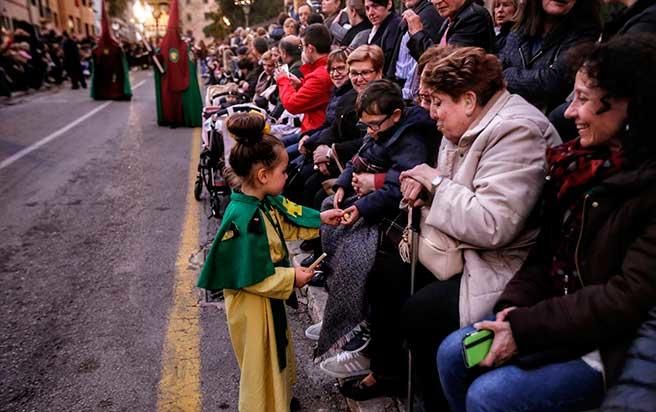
[
  {"x": 250, "y": 261},
  {"x": 178, "y": 96},
  {"x": 110, "y": 79}
]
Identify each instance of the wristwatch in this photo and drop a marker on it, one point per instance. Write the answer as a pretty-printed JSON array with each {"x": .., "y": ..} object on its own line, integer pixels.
[{"x": 436, "y": 182}]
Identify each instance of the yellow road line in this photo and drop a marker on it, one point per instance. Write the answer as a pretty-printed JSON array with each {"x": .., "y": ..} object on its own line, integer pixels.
[{"x": 179, "y": 387}]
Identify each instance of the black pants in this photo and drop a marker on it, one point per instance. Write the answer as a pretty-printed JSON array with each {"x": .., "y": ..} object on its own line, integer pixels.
[
  {"x": 422, "y": 320},
  {"x": 77, "y": 78},
  {"x": 427, "y": 318}
]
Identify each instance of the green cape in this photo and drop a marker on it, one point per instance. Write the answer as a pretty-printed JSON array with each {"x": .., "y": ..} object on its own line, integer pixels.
[{"x": 240, "y": 257}]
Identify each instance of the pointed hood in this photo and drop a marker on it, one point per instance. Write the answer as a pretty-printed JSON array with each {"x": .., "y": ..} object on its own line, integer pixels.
[
  {"x": 174, "y": 53},
  {"x": 106, "y": 37},
  {"x": 174, "y": 18}
]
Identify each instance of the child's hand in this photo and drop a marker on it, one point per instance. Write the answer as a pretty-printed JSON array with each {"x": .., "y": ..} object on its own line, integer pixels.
[
  {"x": 302, "y": 276},
  {"x": 331, "y": 217},
  {"x": 350, "y": 216}
]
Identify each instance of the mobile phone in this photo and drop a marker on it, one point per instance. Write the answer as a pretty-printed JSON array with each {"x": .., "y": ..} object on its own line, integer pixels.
[
  {"x": 317, "y": 261},
  {"x": 475, "y": 346}
]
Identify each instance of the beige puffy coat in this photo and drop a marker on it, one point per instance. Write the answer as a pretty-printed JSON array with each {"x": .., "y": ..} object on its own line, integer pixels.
[{"x": 493, "y": 179}]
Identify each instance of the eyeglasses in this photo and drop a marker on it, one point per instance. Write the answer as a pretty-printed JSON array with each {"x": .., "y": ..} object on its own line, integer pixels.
[
  {"x": 375, "y": 126},
  {"x": 337, "y": 69},
  {"x": 364, "y": 73}
]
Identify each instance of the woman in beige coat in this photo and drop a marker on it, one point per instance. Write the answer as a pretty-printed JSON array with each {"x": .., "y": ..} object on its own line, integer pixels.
[{"x": 479, "y": 198}]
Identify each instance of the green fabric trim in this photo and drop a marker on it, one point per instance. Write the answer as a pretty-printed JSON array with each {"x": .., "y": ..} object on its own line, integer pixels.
[
  {"x": 158, "y": 97},
  {"x": 92, "y": 91},
  {"x": 127, "y": 87},
  {"x": 192, "y": 103},
  {"x": 238, "y": 257}
]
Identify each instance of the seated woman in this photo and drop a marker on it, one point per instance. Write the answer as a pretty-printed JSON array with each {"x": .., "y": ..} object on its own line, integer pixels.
[
  {"x": 565, "y": 320},
  {"x": 334, "y": 146},
  {"x": 398, "y": 138},
  {"x": 504, "y": 13},
  {"x": 490, "y": 170},
  {"x": 533, "y": 55},
  {"x": 385, "y": 24}
]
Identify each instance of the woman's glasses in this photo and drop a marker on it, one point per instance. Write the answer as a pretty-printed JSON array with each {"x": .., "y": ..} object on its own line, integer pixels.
[
  {"x": 364, "y": 73},
  {"x": 337, "y": 70}
]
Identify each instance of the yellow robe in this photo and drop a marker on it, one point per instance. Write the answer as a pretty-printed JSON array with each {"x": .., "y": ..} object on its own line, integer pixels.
[{"x": 262, "y": 386}]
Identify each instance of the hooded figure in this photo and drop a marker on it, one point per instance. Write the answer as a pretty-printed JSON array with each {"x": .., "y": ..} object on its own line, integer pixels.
[
  {"x": 178, "y": 96},
  {"x": 110, "y": 79}
]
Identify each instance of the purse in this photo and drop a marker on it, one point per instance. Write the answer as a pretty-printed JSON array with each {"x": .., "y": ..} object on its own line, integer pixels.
[{"x": 438, "y": 252}]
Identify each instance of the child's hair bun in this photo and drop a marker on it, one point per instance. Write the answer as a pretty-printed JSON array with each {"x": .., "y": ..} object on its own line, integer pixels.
[{"x": 247, "y": 128}]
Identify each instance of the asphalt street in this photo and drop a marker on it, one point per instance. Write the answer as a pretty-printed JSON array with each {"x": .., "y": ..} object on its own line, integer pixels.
[{"x": 98, "y": 233}]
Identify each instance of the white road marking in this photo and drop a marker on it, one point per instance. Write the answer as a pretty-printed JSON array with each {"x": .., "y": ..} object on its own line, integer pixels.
[
  {"x": 22, "y": 153},
  {"x": 138, "y": 85}
]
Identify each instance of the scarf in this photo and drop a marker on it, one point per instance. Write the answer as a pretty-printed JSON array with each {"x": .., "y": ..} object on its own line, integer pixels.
[{"x": 573, "y": 170}]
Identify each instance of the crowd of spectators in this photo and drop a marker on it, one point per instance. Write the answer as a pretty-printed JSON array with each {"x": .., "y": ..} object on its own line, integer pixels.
[
  {"x": 458, "y": 112},
  {"x": 33, "y": 59}
]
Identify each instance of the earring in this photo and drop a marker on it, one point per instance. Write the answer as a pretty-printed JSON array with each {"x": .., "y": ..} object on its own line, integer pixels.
[{"x": 627, "y": 128}]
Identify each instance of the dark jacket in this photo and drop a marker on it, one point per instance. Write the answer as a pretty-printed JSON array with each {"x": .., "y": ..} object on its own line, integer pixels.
[
  {"x": 636, "y": 387},
  {"x": 385, "y": 36},
  {"x": 541, "y": 77},
  {"x": 71, "y": 53},
  {"x": 502, "y": 35},
  {"x": 471, "y": 26},
  {"x": 409, "y": 144},
  {"x": 353, "y": 31},
  {"x": 616, "y": 261},
  {"x": 432, "y": 22},
  {"x": 639, "y": 18},
  {"x": 342, "y": 132}
]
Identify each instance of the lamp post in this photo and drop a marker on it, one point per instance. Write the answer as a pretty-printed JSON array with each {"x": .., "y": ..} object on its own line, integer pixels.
[{"x": 245, "y": 7}]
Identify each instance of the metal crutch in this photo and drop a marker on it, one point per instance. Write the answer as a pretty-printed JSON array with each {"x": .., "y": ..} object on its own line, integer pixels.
[{"x": 413, "y": 222}]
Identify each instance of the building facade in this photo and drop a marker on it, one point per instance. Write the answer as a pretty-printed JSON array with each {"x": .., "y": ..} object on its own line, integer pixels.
[
  {"x": 74, "y": 16},
  {"x": 192, "y": 17}
]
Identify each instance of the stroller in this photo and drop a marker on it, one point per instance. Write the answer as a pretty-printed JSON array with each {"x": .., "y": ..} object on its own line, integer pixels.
[{"x": 220, "y": 104}]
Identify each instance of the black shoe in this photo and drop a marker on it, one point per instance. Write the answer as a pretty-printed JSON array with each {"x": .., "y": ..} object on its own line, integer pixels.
[
  {"x": 359, "y": 341},
  {"x": 318, "y": 280},
  {"x": 295, "y": 405},
  {"x": 310, "y": 245},
  {"x": 356, "y": 390},
  {"x": 309, "y": 260}
]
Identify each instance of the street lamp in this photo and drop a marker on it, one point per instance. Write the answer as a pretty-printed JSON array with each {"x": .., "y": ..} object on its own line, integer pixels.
[{"x": 245, "y": 6}]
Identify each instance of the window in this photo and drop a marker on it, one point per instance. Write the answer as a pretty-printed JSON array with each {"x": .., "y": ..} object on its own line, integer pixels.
[
  {"x": 205, "y": 1},
  {"x": 78, "y": 25},
  {"x": 84, "y": 2},
  {"x": 55, "y": 19},
  {"x": 86, "y": 29},
  {"x": 188, "y": 17}
]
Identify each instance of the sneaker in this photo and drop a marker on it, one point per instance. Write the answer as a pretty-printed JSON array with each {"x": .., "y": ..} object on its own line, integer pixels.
[
  {"x": 345, "y": 365},
  {"x": 313, "y": 331},
  {"x": 360, "y": 340}
]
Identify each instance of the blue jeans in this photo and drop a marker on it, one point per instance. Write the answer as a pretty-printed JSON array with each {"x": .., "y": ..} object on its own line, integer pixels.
[{"x": 565, "y": 386}]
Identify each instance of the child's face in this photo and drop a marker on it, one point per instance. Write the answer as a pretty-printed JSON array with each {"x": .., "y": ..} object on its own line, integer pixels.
[{"x": 277, "y": 175}]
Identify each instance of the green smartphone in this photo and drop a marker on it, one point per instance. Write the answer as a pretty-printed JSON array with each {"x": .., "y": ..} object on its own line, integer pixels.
[{"x": 475, "y": 346}]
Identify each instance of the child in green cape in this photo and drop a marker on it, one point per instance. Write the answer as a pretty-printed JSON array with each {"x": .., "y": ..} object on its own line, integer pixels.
[{"x": 250, "y": 261}]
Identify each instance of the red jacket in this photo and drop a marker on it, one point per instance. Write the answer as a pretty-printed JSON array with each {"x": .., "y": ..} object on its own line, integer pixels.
[{"x": 312, "y": 96}]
